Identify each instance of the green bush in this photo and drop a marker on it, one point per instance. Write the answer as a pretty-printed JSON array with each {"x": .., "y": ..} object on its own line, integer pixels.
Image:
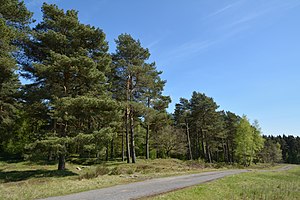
[
  {"x": 101, "y": 170},
  {"x": 94, "y": 173}
]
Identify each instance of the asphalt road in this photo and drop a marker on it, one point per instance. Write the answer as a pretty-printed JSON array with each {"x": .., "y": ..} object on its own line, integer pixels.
[{"x": 148, "y": 187}]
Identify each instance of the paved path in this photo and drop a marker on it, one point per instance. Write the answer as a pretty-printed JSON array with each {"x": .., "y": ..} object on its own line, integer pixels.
[{"x": 147, "y": 188}]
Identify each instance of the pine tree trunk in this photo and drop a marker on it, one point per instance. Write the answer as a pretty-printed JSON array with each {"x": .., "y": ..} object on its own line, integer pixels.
[
  {"x": 127, "y": 136},
  {"x": 147, "y": 132},
  {"x": 190, "y": 156},
  {"x": 198, "y": 146},
  {"x": 209, "y": 155},
  {"x": 132, "y": 136},
  {"x": 112, "y": 149},
  {"x": 202, "y": 144},
  {"x": 127, "y": 118},
  {"x": 61, "y": 162},
  {"x": 123, "y": 152},
  {"x": 62, "y": 155},
  {"x": 147, "y": 142}
]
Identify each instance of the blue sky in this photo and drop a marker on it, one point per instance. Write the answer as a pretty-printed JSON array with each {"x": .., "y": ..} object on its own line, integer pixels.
[{"x": 245, "y": 54}]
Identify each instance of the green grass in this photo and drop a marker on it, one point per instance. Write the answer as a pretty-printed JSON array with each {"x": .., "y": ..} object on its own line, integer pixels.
[
  {"x": 283, "y": 185},
  {"x": 27, "y": 180}
]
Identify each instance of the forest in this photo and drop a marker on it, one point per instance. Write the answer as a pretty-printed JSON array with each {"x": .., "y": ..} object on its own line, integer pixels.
[{"x": 81, "y": 101}]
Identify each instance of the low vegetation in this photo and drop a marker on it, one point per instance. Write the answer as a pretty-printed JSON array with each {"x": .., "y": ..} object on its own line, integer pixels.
[
  {"x": 28, "y": 180},
  {"x": 284, "y": 185}
]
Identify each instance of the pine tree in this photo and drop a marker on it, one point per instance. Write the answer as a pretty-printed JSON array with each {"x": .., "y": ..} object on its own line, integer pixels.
[
  {"x": 231, "y": 123},
  {"x": 154, "y": 101},
  {"x": 182, "y": 116},
  {"x": 136, "y": 84},
  {"x": 205, "y": 119},
  {"x": 69, "y": 62},
  {"x": 14, "y": 20}
]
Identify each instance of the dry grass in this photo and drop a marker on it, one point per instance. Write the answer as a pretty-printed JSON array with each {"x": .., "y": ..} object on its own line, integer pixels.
[{"x": 26, "y": 180}]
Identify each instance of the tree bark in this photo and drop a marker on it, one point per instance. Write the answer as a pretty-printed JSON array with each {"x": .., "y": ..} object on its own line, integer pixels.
[
  {"x": 209, "y": 154},
  {"x": 123, "y": 151},
  {"x": 132, "y": 136},
  {"x": 147, "y": 142},
  {"x": 127, "y": 118},
  {"x": 61, "y": 162},
  {"x": 190, "y": 156},
  {"x": 147, "y": 133},
  {"x": 62, "y": 154},
  {"x": 198, "y": 146},
  {"x": 203, "y": 145},
  {"x": 127, "y": 136},
  {"x": 112, "y": 149}
]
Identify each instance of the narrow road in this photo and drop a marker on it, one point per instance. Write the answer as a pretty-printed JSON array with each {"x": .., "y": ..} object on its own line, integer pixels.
[{"x": 147, "y": 188}]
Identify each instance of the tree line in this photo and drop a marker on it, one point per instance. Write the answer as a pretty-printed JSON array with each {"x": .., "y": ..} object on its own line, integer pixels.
[{"x": 83, "y": 101}]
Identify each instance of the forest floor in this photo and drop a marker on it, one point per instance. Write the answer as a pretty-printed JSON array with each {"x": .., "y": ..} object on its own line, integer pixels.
[
  {"x": 31, "y": 180},
  {"x": 259, "y": 184}
]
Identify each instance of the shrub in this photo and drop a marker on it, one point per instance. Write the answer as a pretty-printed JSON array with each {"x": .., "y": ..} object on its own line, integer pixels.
[
  {"x": 101, "y": 170},
  {"x": 116, "y": 171},
  {"x": 94, "y": 173},
  {"x": 130, "y": 171}
]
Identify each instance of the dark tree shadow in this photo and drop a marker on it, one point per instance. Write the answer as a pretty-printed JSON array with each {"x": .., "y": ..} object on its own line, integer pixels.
[{"x": 14, "y": 176}]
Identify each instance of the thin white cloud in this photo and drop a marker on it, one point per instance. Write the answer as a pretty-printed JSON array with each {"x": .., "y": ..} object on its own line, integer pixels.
[
  {"x": 223, "y": 9},
  {"x": 248, "y": 19},
  {"x": 188, "y": 49},
  {"x": 152, "y": 44},
  {"x": 245, "y": 19},
  {"x": 231, "y": 28}
]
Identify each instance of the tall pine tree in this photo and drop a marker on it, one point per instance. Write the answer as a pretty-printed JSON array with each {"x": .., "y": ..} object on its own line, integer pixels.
[
  {"x": 137, "y": 84},
  {"x": 68, "y": 62},
  {"x": 14, "y": 20}
]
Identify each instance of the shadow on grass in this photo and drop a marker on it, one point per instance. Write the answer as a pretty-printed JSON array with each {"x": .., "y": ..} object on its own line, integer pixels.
[
  {"x": 11, "y": 160},
  {"x": 14, "y": 176}
]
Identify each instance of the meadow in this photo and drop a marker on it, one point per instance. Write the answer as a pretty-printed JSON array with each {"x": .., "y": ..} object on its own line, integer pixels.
[
  {"x": 283, "y": 185},
  {"x": 31, "y": 180}
]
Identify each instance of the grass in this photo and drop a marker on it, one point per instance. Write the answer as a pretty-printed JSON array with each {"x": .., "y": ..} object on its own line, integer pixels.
[
  {"x": 27, "y": 180},
  {"x": 283, "y": 185}
]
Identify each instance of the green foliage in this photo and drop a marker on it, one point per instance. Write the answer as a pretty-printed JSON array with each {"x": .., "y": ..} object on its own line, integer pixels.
[
  {"x": 289, "y": 148},
  {"x": 271, "y": 152},
  {"x": 137, "y": 84},
  {"x": 69, "y": 62},
  {"x": 14, "y": 19},
  {"x": 248, "y": 140},
  {"x": 170, "y": 141}
]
